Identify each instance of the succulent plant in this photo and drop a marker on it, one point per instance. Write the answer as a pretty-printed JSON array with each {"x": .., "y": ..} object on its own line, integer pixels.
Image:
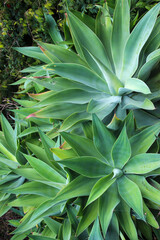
[{"x": 107, "y": 74}]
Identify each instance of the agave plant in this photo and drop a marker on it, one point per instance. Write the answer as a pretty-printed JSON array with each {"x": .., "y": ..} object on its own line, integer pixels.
[
  {"x": 106, "y": 75},
  {"x": 103, "y": 183}
]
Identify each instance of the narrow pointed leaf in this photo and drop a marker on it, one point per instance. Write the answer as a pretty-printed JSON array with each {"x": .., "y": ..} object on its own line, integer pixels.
[
  {"x": 120, "y": 34},
  {"x": 100, "y": 187},
  {"x": 136, "y": 85},
  {"x": 83, "y": 146},
  {"x": 142, "y": 163},
  {"x": 141, "y": 142},
  {"x": 87, "y": 166},
  {"x": 121, "y": 150},
  {"x": 89, "y": 215},
  {"x": 103, "y": 138},
  {"x": 80, "y": 74},
  {"x": 9, "y": 134},
  {"x": 148, "y": 191},
  {"x": 126, "y": 222},
  {"x": 136, "y": 41},
  {"x": 150, "y": 217},
  {"x": 33, "y": 52},
  {"x": 127, "y": 189},
  {"x": 49, "y": 172},
  {"x": 72, "y": 190},
  {"x": 66, "y": 230},
  {"x": 84, "y": 36},
  {"x": 96, "y": 232},
  {"x": 152, "y": 60},
  {"x": 103, "y": 30},
  {"x": 107, "y": 203},
  {"x": 62, "y": 54}
]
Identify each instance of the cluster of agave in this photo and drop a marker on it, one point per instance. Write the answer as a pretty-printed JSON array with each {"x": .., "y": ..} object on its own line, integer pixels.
[{"x": 84, "y": 178}]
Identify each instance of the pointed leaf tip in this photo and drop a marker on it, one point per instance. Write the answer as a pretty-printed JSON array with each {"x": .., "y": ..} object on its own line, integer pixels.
[{"x": 31, "y": 115}]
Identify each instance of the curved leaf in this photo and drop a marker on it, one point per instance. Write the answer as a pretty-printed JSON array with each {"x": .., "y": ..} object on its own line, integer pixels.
[
  {"x": 107, "y": 204},
  {"x": 100, "y": 187},
  {"x": 103, "y": 138},
  {"x": 121, "y": 150},
  {"x": 142, "y": 163},
  {"x": 49, "y": 172},
  {"x": 127, "y": 189},
  {"x": 136, "y": 41},
  {"x": 87, "y": 166}
]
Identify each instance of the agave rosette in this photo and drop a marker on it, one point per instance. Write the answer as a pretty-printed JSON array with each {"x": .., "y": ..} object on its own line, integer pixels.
[
  {"x": 106, "y": 177},
  {"x": 108, "y": 72}
]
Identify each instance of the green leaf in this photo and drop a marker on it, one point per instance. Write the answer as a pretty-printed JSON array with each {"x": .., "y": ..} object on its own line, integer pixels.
[
  {"x": 35, "y": 188},
  {"x": 59, "y": 111},
  {"x": 149, "y": 192},
  {"x": 80, "y": 74},
  {"x": 82, "y": 146},
  {"x": 89, "y": 215},
  {"x": 129, "y": 103},
  {"x": 150, "y": 217},
  {"x": 113, "y": 231},
  {"x": 100, "y": 187},
  {"x": 136, "y": 41},
  {"x": 73, "y": 189},
  {"x": 110, "y": 78},
  {"x": 63, "y": 55},
  {"x": 49, "y": 173},
  {"x": 53, "y": 29},
  {"x": 127, "y": 189},
  {"x": 142, "y": 163},
  {"x": 9, "y": 134},
  {"x": 86, "y": 38},
  {"x": 125, "y": 220},
  {"x": 64, "y": 153},
  {"x": 152, "y": 60},
  {"x": 136, "y": 85},
  {"x": 66, "y": 230},
  {"x": 96, "y": 232},
  {"x": 39, "y": 152},
  {"x": 120, "y": 34},
  {"x": 53, "y": 225},
  {"x": 7, "y": 153},
  {"x": 141, "y": 142},
  {"x": 103, "y": 138},
  {"x": 28, "y": 201},
  {"x": 104, "y": 30},
  {"x": 39, "y": 237},
  {"x": 121, "y": 150},
  {"x": 107, "y": 203},
  {"x": 76, "y": 96},
  {"x": 87, "y": 166},
  {"x": 106, "y": 104},
  {"x": 33, "y": 52}
]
